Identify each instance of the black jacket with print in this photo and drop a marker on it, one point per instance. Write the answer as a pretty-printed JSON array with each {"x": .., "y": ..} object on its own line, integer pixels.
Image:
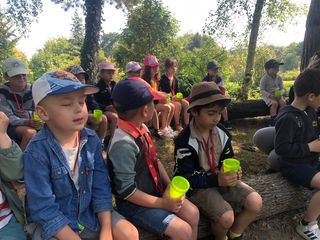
[
  {"x": 294, "y": 130},
  {"x": 187, "y": 159}
]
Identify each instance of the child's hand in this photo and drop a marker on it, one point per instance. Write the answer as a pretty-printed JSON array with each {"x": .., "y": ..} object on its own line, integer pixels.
[
  {"x": 239, "y": 174},
  {"x": 34, "y": 124},
  {"x": 4, "y": 122},
  {"x": 228, "y": 179},
  {"x": 170, "y": 204},
  {"x": 314, "y": 146}
]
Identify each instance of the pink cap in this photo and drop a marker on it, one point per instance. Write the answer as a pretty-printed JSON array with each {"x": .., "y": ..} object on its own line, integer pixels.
[
  {"x": 132, "y": 67},
  {"x": 106, "y": 65},
  {"x": 151, "y": 61}
]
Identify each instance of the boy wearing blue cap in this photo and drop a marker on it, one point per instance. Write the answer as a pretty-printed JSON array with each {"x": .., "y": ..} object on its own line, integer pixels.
[
  {"x": 139, "y": 178},
  {"x": 68, "y": 192}
]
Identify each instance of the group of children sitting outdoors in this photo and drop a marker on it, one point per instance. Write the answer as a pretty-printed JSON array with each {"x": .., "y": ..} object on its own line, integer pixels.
[{"x": 69, "y": 185}]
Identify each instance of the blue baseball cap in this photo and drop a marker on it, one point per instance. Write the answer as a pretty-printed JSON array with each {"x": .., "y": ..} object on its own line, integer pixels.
[
  {"x": 272, "y": 63},
  {"x": 130, "y": 94},
  {"x": 56, "y": 83}
]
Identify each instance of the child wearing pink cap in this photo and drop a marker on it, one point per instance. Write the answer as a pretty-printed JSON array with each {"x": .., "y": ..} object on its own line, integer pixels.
[
  {"x": 103, "y": 97},
  {"x": 152, "y": 76}
]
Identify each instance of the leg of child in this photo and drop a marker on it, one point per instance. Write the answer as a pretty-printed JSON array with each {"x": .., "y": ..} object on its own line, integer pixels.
[
  {"x": 251, "y": 208},
  {"x": 171, "y": 113},
  {"x": 122, "y": 229},
  {"x": 313, "y": 211},
  {"x": 185, "y": 105},
  {"x": 224, "y": 114},
  {"x": 190, "y": 213},
  {"x": 177, "y": 112},
  {"x": 103, "y": 127},
  {"x": 273, "y": 108},
  {"x": 25, "y": 134},
  {"x": 178, "y": 229},
  {"x": 221, "y": 227},
  {"x": 282, "y": 103},
  {"x": 165, "y": 111},
  {"x": 113, "y": 118}
]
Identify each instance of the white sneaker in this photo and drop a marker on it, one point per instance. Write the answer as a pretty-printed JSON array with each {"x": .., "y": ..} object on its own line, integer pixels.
[{"x": 309, "y": 232}]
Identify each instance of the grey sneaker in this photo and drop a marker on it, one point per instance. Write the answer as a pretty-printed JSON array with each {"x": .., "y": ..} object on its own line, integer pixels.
[{"x": 310, "y": 231}]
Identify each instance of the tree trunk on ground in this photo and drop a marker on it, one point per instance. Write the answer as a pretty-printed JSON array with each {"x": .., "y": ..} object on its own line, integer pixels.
[
  {"x": 247, "y": 109},
  {"x": 90, "y": 46},
  {"x": 311, "y": 42},
  {"x": 278, "y": 196},
  {"x": 252, "y": 48}
]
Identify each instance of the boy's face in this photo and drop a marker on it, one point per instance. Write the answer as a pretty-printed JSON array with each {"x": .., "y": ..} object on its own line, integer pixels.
[
  {"x": 213, "y": 72},
  {"x": 65, "y": 112},
  {"x": 107, "y": 75},
  {"x": 81, "y": 77},
  {"x": 273, "y": 71},
  {"x": 18, "y": 82},
  {"x": 207, "y": 118},
  {"x": 314, "y": 101}
]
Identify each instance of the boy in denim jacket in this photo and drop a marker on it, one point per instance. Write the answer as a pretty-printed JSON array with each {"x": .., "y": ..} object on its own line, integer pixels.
[{"x": 68, "y": 191}]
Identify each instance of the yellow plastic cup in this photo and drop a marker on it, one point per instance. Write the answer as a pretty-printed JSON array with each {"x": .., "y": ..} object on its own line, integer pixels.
[
  {"x": 179, "y": 95},
  {"x": 97, "y": 114},
  {"x": 168, "y": 98},
  {"x": 277, "y": 93},
  {"x": 231, "y": 165},
  {"x": 36, "y": 117},
  {"x": 178, "y": 187}
]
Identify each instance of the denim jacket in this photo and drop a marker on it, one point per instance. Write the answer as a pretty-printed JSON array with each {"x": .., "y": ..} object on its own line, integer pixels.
[{"x": 52, "y": 198}]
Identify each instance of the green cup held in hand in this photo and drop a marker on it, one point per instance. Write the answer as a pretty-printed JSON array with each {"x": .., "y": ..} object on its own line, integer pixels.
[
  {"x": 97, "y": 114},
  {"x": 231, "y": 165},
  {"x": 277, "y": 93},
  {"x": 36, "y": 117},
  {"x": 179, "y": 95},
  {"x": 179, "y": 186}
]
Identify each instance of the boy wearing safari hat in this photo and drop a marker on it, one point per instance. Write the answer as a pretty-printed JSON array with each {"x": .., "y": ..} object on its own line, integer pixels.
[
  {"x": 200, "y": 150},
  {"x": 17, "y": 103}
]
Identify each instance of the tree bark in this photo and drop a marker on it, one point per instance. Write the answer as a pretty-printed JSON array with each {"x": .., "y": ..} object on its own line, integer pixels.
[
  {"x": 278, "y": 196},
  {"x": 311, "y": 42},
  {"x": 90, "y": 45},
  {"x": 247, "y": 109},
  {"x": 252, "y": 48}
]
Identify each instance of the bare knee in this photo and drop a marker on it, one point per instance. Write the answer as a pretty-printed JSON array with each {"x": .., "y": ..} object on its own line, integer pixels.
[
  {"x": 125, "y": 231},
  {"x": 179, "y": 230},
  {"x": 29, "y": 133},
  {"x": 226, "y": 220},
  {"x": 193, "y": 215},
  {"x": 253, "y": 203}
]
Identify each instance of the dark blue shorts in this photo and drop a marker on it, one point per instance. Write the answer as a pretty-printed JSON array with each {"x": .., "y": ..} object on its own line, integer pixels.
[
  {"x": 154, "y": 220},
  {"x": 13, "y": 134},
  {"x": 300, "y": 174}
]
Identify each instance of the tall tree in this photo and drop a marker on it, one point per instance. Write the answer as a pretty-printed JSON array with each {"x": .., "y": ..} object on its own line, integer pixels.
[
  {"x": 8, "y": 40},
  {"x": 22, "y": 11},
  {"x": 225, "y": 20},
  {"x": 311, "y": 42},
  {"x": 150, "y": 28},
  {"x": 77, "y": 30}
]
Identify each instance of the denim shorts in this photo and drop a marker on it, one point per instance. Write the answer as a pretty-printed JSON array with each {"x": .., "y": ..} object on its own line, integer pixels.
[
  {"x": 155, "y": 220},
  {"x": 12, "y": 231},
  {"x": 300, "y": 174}
]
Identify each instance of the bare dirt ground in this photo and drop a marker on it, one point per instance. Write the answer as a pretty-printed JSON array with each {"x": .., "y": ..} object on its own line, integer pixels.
[{"x": 253, "y": 162}]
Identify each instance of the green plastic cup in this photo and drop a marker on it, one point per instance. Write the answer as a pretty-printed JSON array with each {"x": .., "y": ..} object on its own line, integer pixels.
[
  {"x": 168, "y": 98},
  {"x": 179, "y": 95},
  {"x": 178, "y": 187},
  {"x": 231, "y": 165},
  {"x": 277, "y": 93},
  {"x": 97, "y": 114}
]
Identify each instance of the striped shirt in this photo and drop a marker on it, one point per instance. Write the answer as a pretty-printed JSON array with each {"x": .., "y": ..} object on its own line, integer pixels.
[{"x": 5, "y": 211}]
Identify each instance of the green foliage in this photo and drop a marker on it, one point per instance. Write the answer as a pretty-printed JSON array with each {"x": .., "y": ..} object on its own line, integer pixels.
[
  {"x": 150, "y": 29},
  {"x": 108, "y": 40},
  {"x": 8, "y": 40},
  {"x": 56, "y": 54},
  {"x": 77, "y": 30}
]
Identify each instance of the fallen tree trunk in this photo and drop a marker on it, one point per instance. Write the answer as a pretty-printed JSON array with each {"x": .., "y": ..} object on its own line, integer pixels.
[
  {"x": 278, "y": 196},
  {"x": 247, "y": 109}
]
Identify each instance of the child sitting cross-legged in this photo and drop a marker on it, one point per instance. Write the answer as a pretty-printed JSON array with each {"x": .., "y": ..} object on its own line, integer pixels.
[
  {"x": 200, "y": 150},
  {"x": 68, "y": 191},
  {"x": 139, "y": 178}
]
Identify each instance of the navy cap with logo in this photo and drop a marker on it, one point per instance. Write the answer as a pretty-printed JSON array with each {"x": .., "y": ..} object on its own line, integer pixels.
[
  {"x": 212, "y": 65},
  {"x": 272, "y": 63},
  {"x": 130, "y": 94}
]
